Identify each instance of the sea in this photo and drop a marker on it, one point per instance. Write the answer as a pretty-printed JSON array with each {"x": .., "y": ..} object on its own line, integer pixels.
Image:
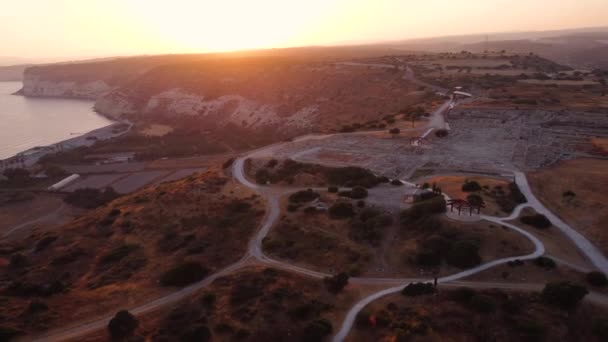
[{"x": 27, "y": 122}]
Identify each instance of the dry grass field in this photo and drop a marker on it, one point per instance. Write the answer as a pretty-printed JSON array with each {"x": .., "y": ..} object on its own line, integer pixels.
[
  {"x": 474, "y": 315},
  {"x": 587, "y": 209},
  {"x": 115, "y": 255}
]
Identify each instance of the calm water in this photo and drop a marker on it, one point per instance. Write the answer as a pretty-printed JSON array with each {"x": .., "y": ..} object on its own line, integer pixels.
[{"x": 30, "y": 122}]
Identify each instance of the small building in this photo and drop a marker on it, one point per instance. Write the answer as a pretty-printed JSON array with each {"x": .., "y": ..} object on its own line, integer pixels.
[
  {"x": 461, "y": 94},
  {"x": 64, "y": 182}
]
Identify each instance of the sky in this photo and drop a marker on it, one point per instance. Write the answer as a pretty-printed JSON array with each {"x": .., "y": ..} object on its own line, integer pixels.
[{"x": 36, "y": 29}]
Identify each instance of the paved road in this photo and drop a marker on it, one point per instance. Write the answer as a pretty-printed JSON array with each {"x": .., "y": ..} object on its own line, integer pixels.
[
  {"x": 595, "y": 256},
  {"x": 255, "y": 255}
]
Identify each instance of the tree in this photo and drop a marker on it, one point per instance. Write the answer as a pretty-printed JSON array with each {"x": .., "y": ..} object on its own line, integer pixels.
[
  {"x": 470, "y": 186},
  {"x": 336, "y": 283},
  {"x": 317, "y": 330},
  {"x": 418, "y": 289},
  {"x": 464, "y": 254},
  {"x": 394, "y": 131},
  {"x": 17, "y": 176},
  {"x": 475, "y": 200},
  {"x": 441, "y": 133},
  {"x": 183, "y": 274},
  {"x": 563, "y": 294},
  {"x": 122, "y": 325},
  {"x": 537, "y": 220},
  {"x": 341, "y": 210},
  {"x": 596, "y": 278}
]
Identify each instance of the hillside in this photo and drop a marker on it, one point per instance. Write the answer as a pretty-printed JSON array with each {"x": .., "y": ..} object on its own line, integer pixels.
[{"x": 136, "y": 248}]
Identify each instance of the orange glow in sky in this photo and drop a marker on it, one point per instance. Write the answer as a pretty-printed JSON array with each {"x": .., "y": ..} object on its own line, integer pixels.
[{"x": 43, "y": 28}]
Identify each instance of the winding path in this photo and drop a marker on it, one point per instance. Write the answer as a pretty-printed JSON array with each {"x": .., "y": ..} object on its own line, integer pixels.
[{"x": 255, "y": 255}]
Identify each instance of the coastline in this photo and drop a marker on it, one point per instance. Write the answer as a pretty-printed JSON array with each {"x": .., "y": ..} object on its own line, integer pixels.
[{"x": 31, "y": 156}]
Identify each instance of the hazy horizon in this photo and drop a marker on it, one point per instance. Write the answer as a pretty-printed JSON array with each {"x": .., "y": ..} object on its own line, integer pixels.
[{"x": 96, "y": 29}]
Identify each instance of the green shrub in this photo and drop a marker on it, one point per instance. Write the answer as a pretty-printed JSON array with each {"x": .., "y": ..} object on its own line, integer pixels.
[
  {"x": 89, "y": 198},
  {"x": 332, "y": 189},
  {"x": 122, "y": 325},
  {"x": 262, "y": 176},
  {"x": 317, "y": 330},
  {"x": 600, "y": 328},
  {"x": 530, "y": 330},
  {"x": 462, "y": 294},
  {"x": 418, "y": 289},
  {"x": 475, "y": 200},
  {"x": 118, "y": 253},
  {"x": 303, "y": 196},
  {"x": 357, "y": 192},
  {"x": 428, "y": 258},
  {"x": 545, "y": 262},
  {"x": 537, "y": 220},
  {"x": 563, "y": 294},
  {"x": 471, "y": 186},
  {"x": 197, "y": 333},
  {"x": 351, "y": 176},
  {"x": 183, "y": 274},
  {"x": 336, "y": 283},
  {"x": 341, "y": 210},
  {"x": 424, "y": 209},
  {"x": 463, "y": 254},
  {"x": 396, "y": 182},
  {"x": 596, "y": 278},
  {"x": 482, "y": 303}
]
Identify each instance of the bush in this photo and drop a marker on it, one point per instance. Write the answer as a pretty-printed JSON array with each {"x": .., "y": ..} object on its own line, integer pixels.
[
  {"x": 341, "y": 210},
  {"x": 357, "y": 192},
  {"x": 118, "y": 253},
  {"x": 483, "y": 303},
  {"x": 8, "y": 333},
  {"x": 441, "y": 133},
  {"x": 596, "y": 278},
  {"x": 428, "y": 258},
  {"x": 303, "y": 196},
  {"x": 424, "y": 209},
  {"x": 471, "y": 186},
  {"x": 463, "y": 254},
  {"x": 545, "y": 262},
  {"x": 197, "y": 333},
  {"x": 396, "y": 182},
  {"x": 89, "y": 198},
  {"x": 332, "y": 189},
  {"x": 54, "y": 171},
  {"x": 475, "y": 200},
  {"x": 394, "y": 131},
  {"x": 563, "y": 294},
  {"x": 600, "y": 328},
  {"x": 351, "y": 176},
  {"x": 418, "y": 289},
  {"x": 228, "y": 163},
  {"x": 537, "y": 220},
  {"x": 530, "y": 330},
  {"x": 183, "y": 274},
  {"x": 122, "y": 325},
  {"x": 317, "y": 330},
  {"x": 262, "y": 176},
  {"x": 462, "y": 294},
  {"x": 336, "y": 283}
]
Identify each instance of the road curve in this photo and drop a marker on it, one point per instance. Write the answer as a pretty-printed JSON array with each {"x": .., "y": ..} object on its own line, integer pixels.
[
  {"x": 595, "y": 256},
  {"x": 539, "y": 249}
]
